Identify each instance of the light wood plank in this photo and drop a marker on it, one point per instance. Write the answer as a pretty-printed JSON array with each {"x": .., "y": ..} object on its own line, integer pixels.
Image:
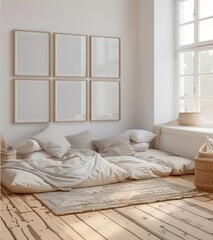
[
  {"x": 189, "y": 177},
  {"x": 5, "y": 203},
  {"x": 179, "y": 181},
  {"x": 106, "y": 227},
  {"x": 192, "y": 219},
  {"x": 186, "y": 228},
  {"x": 8, "y": 219},
  {"x": 57, "y": 225},
  {"x": 203, "y": 198},
  {"x": 207, "y": 205},
  {"x": 129, "y": 225},
  {"x": 200, "y": 211},
  {"x": 18, "y": 203},
  {"x": 17, "y": 232},
  {"x": 5, "y": 233},
  {"x": 30, "y": 200},
  {"x": 82, "y": 228},
  {"x": 5, "y": 190},
  {"x": 38, "y": 228},
  {"x": 158, "y": 227},
  {"x": 16, "y": 225}
]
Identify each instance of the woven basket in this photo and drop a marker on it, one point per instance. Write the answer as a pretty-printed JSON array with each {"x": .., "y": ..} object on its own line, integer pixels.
[{"x": 204, "y": 170}]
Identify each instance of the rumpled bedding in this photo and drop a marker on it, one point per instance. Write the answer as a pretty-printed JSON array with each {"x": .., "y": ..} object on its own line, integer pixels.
[
  {"x": 72, "y": 169},
  {"x": 83, "y": 168}
]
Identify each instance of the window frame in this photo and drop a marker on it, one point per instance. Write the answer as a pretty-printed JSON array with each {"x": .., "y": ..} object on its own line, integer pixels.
[{"x": 196, "y": 47}]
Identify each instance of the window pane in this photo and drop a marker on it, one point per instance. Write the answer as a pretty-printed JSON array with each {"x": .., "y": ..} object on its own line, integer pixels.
[
  {"x": 206, "y": 30},
  {"x": 186, "y": 11},
  {"x": 206, "y": 107},
  {"x": 206, "y": 8},
  {"x": 187, "y": 86},
  {"x": 206, "y": 86},
  {"x": 205, "y": 59},
  {"x": 186, "y": 63},
  {"x": 188, "y": 105},
  {"x": 186, "y": 34}
]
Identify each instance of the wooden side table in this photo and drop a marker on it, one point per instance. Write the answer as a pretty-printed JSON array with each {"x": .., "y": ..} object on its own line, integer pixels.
[{"x": 8, "y": 155}]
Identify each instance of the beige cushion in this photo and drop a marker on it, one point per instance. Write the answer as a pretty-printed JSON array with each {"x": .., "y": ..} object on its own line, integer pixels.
[
  {"x": 82, "y": 140},
  {"x": 138, "y": 135},
  {"x": 27, "y": 146},
  {"x": 139, "y": 169},
  {"x": 115, "y": 146},
  {"x": 52, "y": 141}
]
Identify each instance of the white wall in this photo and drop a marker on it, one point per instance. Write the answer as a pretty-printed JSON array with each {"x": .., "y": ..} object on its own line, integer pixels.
[
  {"x": 93, "y": 17},
  {"x": 155, "y": 59},
  {"x": 164, "y": 58},
  {"x": 145, "y": 64}
]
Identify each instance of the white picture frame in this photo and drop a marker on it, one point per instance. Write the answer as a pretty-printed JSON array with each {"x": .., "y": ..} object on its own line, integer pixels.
[
  {"x": 31, "y": 100},
  {"x": 70, "y": 100},
  {"x": 70, "y": 55},
  {"x": 105, "y": 57},
  {"x": 31, "y": 53},
  {"x": 105, "y": 100}
]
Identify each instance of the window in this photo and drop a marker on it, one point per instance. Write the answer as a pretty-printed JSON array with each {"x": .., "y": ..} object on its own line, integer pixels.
[{"x": 195, "y": 56}]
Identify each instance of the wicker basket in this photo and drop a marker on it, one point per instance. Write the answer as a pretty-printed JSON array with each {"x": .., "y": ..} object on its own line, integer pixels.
[
  {"x": 8, "y": 155},
  {"x": 204, "y": 170}
]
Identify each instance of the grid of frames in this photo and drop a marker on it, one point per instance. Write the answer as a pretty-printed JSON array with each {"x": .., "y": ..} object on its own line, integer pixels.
[{"x": 65, "y": 77}]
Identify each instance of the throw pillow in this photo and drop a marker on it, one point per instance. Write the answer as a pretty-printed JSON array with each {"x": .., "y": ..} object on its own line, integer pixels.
[
  {"x": 27, "y": 146},
  {"x": 118, "y": 145},
  {"x": 141, "y": 135},
  {"x": 52, "y": 141},
  {"x": 82, "y": 140}
]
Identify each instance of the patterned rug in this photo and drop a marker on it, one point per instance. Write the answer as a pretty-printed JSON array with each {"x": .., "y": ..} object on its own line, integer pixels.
[{"x": 114, "y": 195}]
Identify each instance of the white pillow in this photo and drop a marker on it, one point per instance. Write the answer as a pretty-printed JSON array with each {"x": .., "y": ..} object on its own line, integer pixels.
[
  {"x": 140, "y": 147},
  {"x": 141, "y": 135},
  {"x": 139, "y": 169},
  {"x": 27, "y": 146},
  {"x": 209, "y": 145},
  {"x": 37, "y": 155},
  {"x": 52, "y": 141},
  {"x": 19, "y": 181},
  {"x": 104, "y": 173}
]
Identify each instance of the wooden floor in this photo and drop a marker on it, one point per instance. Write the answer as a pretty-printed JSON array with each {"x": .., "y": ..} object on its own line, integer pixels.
[{"x": 24, "y": 217}]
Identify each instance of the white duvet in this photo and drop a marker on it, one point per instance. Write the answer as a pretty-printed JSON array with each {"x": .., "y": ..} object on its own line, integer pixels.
[{"x": 84, "y": 168}]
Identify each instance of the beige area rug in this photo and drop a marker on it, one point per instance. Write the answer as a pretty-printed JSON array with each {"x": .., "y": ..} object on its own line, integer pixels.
[{"x": 114, "y": 195}]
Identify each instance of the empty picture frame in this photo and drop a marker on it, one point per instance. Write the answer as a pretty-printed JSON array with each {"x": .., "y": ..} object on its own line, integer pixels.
[
  {"x": 70, "y": 55},
  {"x": 105, "y": 57},
  {"x": 31, "y": 53},
  {"x": 70, "y": 100},
  {"x": 32, "y": 101},
  {"x": 105, "y": 100}
]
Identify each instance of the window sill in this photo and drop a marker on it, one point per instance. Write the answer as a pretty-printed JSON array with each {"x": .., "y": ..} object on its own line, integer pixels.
[{"x": 199, "y": 131}]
